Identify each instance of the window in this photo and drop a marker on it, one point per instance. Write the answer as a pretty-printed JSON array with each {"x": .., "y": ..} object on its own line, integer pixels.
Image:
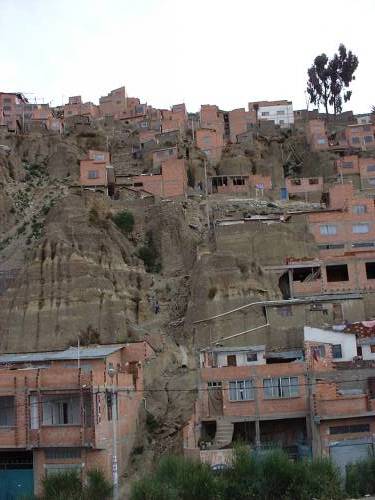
[
  {"x": 251, "y": 356},
  {"x": 361, "y": 228},
  {"x": 370, "y": 270},
  {"x": 241, "y": 390},
  {"x": 371, "y": 180},
  {"x": 371, "y": 168},
  {"x": 372, "y": 348},
  {"x": 318, "y": 351},
  {"x": 281, "y": 112},
  {"x": 321, "y": 141},
  {"x": 363, "y": 244},
  {"x": 331, "y": 246},
  {"x": 328, "y": 230},
  {"x": 314, "y": 180},
  {"x": 366, "y": 128},
  {"x": 265, "y": 113},
  {"x": 295, "y": 182},
  {"x": 7, "y": 411},
  {"x": 359, "y": 209},
  {"x": 214, "y": 384},
  {"x": 231, "y": 360},
  {"x": 347, "y": 164},
  {"x": 52, "y": 469},
  {"x": 337, "y": 272},
  {"x": 283, "y": 387},
  {"x": 61, "y": 410},
  {"x": 356, "y": 140},
  {"x": 99, "y": 157},
  {"x": 238, "y": 181},
  {"x": 349, "y": 429},
  {"x": 55, "y": 453},
  {"x": 368, "y": 138},
  {"x": 138, "y": 184},
  {"x": 336, "y": 351},
  {"x": 93, "y": 174},
  {"x": 281, "y": 122}
]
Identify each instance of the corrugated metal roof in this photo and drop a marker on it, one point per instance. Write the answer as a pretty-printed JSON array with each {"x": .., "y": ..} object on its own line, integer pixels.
[
  {"x": 100, "y": 351},
  {"x": 250, "y": 348}
]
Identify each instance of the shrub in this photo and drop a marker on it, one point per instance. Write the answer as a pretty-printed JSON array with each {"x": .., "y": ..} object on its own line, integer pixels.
[
  {"x": 177, "y": 478},
  {"x": 124, "y": 221},
  {"x": 360, "y": 478},
  {"x": 98, "y": 488},
  {"x": 62, "y": 486},
  {"x": 68, "y": 486},
  {"x": 149, "y": 254}
]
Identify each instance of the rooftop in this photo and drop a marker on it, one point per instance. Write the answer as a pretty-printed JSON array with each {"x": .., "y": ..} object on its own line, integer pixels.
[{"x": 90, "y": 352}]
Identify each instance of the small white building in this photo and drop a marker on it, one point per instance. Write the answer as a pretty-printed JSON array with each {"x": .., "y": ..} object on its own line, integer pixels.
[
  {"x": 344, "y": 345},
  {"x": 368, "y": 347},
  {"x": 363, "y": 119},
  {"x": 280, "y": 112},
  {"x": 219, "y": 357}
]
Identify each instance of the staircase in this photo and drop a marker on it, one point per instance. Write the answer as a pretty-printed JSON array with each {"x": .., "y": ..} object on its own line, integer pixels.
[{"x": 224, "y": 433}]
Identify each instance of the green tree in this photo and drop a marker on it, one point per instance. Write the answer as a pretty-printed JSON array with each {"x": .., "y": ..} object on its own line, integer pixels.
[{"x": 329, "y": 79}]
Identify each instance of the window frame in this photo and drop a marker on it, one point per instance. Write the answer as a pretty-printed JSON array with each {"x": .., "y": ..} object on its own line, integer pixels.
[
  {"x": 328, "y": 229},
  {"x": 335, "y": 348},
  {"x": 242, "y": 393},
  {"x": 360, "y": 225},
  {"x": 277, "y": 388}
]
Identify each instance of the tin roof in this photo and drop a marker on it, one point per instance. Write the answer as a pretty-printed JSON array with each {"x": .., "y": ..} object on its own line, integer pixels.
[{"x": 91, "y": 352}]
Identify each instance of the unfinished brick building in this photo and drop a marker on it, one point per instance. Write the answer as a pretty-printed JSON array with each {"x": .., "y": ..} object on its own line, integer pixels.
[{"x": 58, "y": 410}]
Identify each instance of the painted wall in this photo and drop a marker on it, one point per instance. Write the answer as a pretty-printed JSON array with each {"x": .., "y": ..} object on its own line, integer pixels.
[{"x": 346, "y": 340}]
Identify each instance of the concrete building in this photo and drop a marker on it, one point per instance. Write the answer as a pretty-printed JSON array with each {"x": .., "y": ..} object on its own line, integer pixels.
[
  {"x": 58, "y": 410},
  {"x": 13, "y": 112},
  {"x": 280, "y": 112}
]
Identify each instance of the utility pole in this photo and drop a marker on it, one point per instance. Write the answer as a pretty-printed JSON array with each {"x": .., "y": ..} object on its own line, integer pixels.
[
  {"x": 111, "y": 372},
  {"x": 206, "y": 186}
]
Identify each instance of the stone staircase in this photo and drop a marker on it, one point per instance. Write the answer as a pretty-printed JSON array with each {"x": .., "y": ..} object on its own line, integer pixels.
[{"x": 224, "y": 433}]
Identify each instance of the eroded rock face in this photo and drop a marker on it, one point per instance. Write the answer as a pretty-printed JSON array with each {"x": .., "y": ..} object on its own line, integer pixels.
[{"x": 81, "y": 275}]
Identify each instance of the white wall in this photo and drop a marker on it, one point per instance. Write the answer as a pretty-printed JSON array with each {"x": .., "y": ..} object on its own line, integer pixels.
[
  {"x": 366, "y": 352},
  {"x": 287, "y": 117},
  {"x": 241, "y": 358},
  {"x": 347, "y": 341}
]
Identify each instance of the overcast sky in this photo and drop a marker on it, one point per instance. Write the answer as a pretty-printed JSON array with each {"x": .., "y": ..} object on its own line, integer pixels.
[{"x": 167, "y": 51}]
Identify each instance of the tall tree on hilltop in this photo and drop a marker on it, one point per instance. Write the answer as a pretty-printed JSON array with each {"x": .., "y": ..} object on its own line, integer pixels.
[{"x": 329, "y": 79}]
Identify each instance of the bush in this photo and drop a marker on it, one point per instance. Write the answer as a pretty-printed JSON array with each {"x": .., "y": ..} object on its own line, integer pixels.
[
  {"x": 177, "y": 478},
  {"x": 360, "y": 478},
  {"x": 124, "y": 221},
  {"x": 62, "y": 486},
  {"x": 268, "y": 475},
  {"x": 68, "y": 486},
  {"x": 149, "y": 254}
]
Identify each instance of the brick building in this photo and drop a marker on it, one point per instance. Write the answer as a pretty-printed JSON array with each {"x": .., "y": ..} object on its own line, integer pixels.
[
  {"x": 306, "y": 187},
  {"x": 226, "y": 184},
  {"x": 75, "y": 107},
  {"x": 114, "y": 103},
  {"x": 316, "y": 135},
  {"x": 299, "y": 400},
  {"x": 170, "y": 183},
  {"x": 360, "y": 136},
  {"x": 240, "y": 122},
  {"x": 96, "y": 172},
  {"x": 211, "y": 142},
  {"x": 58, "y": 410}
]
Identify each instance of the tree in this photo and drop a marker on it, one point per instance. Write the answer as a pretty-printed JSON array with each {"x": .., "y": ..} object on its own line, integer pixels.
[{"x": 329, "y": 79}]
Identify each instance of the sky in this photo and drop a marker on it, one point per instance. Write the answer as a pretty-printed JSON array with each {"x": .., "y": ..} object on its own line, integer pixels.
[{"x": 224, "y": 52}]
